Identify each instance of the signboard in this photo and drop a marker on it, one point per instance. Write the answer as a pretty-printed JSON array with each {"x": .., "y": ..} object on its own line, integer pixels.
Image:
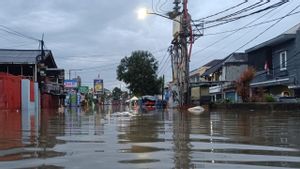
[
  {"x": 83, "y": 89},
  {"x": 98, "y": 85},
  {"x": 70, "y": 83}
]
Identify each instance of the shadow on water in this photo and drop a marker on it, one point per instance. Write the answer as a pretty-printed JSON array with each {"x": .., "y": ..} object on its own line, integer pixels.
[
  {"x": 109, "y": 137},
  {"x": 45, "y": 167}
]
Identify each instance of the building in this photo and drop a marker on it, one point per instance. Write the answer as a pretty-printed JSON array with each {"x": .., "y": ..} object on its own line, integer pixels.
[
  {"x": 37, "y": 67},
  {"x": 277, "y": 64},
  {"x": 199, "y": 85},
  {"x": 224, "y": 74}
]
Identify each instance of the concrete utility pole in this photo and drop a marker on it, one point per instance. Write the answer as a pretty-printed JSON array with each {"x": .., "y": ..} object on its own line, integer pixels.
[
  {"x": 185, "y": 55},
  {"x": 180, "y": 54}
]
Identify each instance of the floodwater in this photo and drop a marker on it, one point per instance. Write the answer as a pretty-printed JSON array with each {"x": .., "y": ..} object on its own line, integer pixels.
[{"x": 105, "y": 138}]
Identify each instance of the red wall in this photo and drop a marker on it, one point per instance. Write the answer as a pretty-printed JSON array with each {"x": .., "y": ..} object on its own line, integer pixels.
[
  {"x": 10, "y": 91},
  {"x": 49, "y": 101}
]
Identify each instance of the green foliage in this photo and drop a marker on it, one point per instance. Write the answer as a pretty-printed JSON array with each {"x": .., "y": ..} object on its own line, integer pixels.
[
  {"x": 139, "y": 72},
  {"x": 269, "y": 98},
  {"x": 116, "y": 93}
]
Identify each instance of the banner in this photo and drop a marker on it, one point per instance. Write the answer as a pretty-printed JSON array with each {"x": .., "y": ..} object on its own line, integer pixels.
[
  {"x": 70, "y": 83},
  {"x": 98, "y": 85}
]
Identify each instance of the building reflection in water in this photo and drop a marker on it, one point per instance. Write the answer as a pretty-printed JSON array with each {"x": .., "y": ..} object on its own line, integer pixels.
[
  {"x": 10, "y": 129},
  {"x": 166, "y": 139}
]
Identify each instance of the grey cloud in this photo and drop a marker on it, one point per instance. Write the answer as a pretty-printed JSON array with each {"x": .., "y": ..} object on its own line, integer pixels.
[{"x": 89, "y": 33}]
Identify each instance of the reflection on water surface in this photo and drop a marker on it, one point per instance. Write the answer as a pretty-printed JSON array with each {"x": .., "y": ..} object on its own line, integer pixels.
[{"x": 106, "y": 138}]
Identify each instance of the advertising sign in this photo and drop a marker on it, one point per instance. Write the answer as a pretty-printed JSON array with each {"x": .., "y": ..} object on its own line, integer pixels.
[
  {"x": 83, "y": 89},
  {"x": 70, "y": 83},
  {"x": 98, "y": 85}
]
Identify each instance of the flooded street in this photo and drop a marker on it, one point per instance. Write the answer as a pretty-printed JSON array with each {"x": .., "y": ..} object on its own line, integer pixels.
[{"x": 106, "y": 138}]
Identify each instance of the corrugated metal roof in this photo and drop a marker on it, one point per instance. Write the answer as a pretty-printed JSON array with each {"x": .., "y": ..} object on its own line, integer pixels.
[
  {"x": 214, "y": 68},
  {"x": 237, "y": 58},
  {"x": 232, "y": 58},
  {"x": 20, "y": 56},
  {"x": 213, "y": 62}
]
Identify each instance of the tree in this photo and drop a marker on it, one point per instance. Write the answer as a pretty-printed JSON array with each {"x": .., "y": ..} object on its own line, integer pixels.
[
  {"x": 116, "y": 93},
  {"x": 139, "y": 72},
  {"x": 243, "y": 84}
]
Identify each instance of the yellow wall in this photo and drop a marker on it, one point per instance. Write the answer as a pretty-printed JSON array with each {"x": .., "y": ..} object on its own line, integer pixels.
[{"x": 195, "y": 92}]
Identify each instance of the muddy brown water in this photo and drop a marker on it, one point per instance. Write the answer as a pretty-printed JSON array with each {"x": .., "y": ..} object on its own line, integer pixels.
[{"x": 106, "y": 137}]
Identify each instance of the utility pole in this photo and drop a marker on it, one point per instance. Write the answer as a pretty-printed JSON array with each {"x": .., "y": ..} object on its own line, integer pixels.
[
  {"x": 180, "y": 54},
  {"x": 71, "y": 70},
  {"x": 184, "y": 54}
]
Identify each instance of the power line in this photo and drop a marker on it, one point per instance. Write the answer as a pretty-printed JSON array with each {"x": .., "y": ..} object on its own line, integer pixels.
[
  {"x": 237, "y": 18},
  {"x": 162, "y": 61},
  {"x": 256, "y": 12},
  {"x": 235, "y": 6},
  {"x": 248, "y": 8},
  {"x": 165, "y": 64},
  {"x": 240, "y": 37},
  {"x": 250, "y": 26},
  {"x": 13, "y": 32},
  {"x": 267, "y": 28},
  {"x": 166, "y": 67},
  {"x": 234, "y": 32},
  {"x": 161, "y": 6},
  {"x": 239, "y": 12}
]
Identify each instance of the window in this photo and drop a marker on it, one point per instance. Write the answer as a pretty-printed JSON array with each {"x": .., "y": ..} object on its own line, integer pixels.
[
  {"x": 285, "y": 93},
  {"x": 283, "y": 60}
]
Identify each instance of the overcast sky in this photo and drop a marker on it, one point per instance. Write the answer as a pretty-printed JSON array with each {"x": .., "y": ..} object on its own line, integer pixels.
[{"x": 94, "y": 35}]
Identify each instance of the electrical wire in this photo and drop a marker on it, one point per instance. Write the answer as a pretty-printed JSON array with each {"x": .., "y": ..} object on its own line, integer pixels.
[
  {"x": 13, "y": 32},
  {"x": 239, "y": 37},
  {"x": 234, "y": 32},
  {"x": 250, "y": 26},
  {"x": 251, "y": 40},
  {"x": 235, "y": 6},
  {"x": 164, "y": 65},
  {"x": 256, "y": 12},
  {"x": 162, "y": 5},
  {"x": 229, "y": 21},
  {"x": 248, "y": 8}
]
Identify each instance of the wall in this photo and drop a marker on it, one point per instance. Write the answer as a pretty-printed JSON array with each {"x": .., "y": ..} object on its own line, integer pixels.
[
  {"x": 289, "y": 47},
  {"x": 10, "y": 91},
  {"x": 257, "y": 59},
  {"x": 277, "y": 90},
  {"x": 49, "y": 101},
  {"x": 257, "y": 106},
  {"x": 297, "y": 59},
  {"x": 197, "y": 91},
  {"x": 233, "y": 72}
]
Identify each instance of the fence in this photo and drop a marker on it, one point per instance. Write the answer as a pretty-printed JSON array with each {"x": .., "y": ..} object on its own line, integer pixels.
[{"x": 10, "y": 91}]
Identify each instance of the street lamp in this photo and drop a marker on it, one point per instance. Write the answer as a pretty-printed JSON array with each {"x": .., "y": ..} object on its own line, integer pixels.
[
  {"x": 143, "y": 12},
  {"x": 181, "y": 28}
]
